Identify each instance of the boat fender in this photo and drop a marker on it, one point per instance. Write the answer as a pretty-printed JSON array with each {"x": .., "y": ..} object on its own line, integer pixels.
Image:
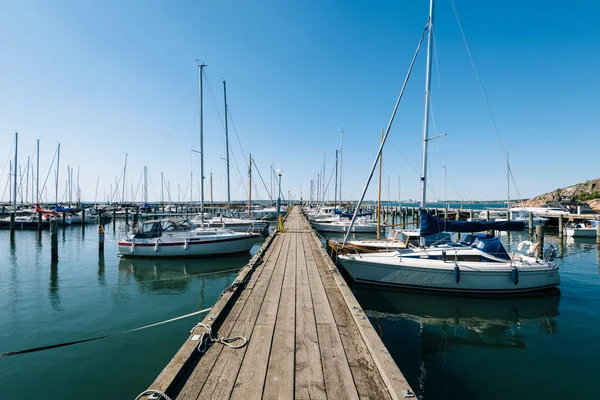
[
  {"x": 156, "y": 246},
  {"x": 514, "y": 274},
  {"x": 132, "y": 247},
  {"x": 456, "y": 273},
  {"x": 185, "y": 244},
  {"x": 444, "y": 255}
]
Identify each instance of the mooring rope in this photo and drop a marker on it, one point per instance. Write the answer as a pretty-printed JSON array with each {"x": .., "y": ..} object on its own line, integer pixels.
[
  {"x": 135, "y": 282},
  {"x": 53, "y": 346}
]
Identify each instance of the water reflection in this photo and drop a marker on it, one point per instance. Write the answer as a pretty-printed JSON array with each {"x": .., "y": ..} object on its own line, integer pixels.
[
  {"x": 427, "y": 334},
  {"x": 13, "y": 248},
  {"x": 101, "y": 266},
  {"x": 469, "y": 321},
  {"x": 53, "y": 291},
  {"x": 175, "y": 275}
]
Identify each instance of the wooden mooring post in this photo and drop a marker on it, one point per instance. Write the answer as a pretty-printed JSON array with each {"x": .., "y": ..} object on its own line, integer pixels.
[
  {"x": 100, "y": 238},
  {"x": 54, "y": 239},
  {"x": 539, "y": 233},
  {"x": 598, "y": 234},
  {"x": 12, "y": 221},
  {"x": 530, "y": 226},
  {"x": 560, "y": 227},
  {"x": 83, "y": 219}
]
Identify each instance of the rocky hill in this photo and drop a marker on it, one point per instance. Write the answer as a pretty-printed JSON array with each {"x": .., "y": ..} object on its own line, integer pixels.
[{"x": 587, "y": 192}]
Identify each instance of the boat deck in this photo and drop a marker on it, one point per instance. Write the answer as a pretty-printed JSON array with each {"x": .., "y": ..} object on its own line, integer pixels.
[{"x": 307, "y": 335}]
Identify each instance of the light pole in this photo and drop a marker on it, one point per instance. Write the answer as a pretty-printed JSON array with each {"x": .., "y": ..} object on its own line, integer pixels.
[{"x": 279, "y": 173}]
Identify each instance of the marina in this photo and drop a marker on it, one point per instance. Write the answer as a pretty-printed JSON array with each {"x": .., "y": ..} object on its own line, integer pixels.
[
  {"x": 442, "y": 344},
  {"x": 305, "y": 200}
]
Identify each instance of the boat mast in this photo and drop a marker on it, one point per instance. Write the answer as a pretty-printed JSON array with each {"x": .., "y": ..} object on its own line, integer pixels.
[
  {"x": 37, "y": 174},
  {"x": 15, "y": 170},
  {"x": 336, "y": 181},
  {"x": 399, "y": 187},
  {"x": 341, "y": 163},
  {"x": 27, "y": 180},
  {"x": 57, "y": 169},
  {"x": 10, "y": 185},
  {"x": 124, "y": 176},
  {"x": 379, "y": 192},
  {"x": 200, "y": 95},
  {"x": 227, "y": 149},
  {"x": 78, "y": 187},
  {"x": 507, "y": 188},
  {"x": 250, "y": 186},
  {"x": 145, "y": 185},
  {"x": 427, "y": 101}
]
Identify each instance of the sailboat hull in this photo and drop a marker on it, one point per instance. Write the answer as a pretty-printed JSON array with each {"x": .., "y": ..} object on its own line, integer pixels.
[
  {"x": 159, "y": 248},
  {"x": 470, "y": 278},
  {"x": 343, "y": 227}
]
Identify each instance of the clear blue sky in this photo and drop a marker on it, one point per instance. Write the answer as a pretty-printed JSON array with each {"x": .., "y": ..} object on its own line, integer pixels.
[{"x": 115, "y": 77}]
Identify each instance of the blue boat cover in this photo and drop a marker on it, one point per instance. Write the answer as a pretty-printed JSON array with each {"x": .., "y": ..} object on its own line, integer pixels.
[
  {"x": 431, "y": 224},
  {"x": 487, "y": 243},
  {"x": 350, "y": 215},
  {"x": 58, "y": 208}
]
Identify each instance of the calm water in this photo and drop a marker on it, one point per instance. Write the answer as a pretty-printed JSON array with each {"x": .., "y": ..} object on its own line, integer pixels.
[
  {"x": 85, "y": 295},
  {"x": 448, "y": 347}
]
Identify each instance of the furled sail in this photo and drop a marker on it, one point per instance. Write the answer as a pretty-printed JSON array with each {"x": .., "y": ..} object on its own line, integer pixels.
[{"x": 431, "y": 224}]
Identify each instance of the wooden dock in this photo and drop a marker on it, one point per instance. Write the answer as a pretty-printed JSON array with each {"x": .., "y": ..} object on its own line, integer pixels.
[{"x": 307, "y": 335}]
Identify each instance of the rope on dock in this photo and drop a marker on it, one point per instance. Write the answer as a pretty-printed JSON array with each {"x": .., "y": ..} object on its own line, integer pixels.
[
  {"x": 209, "y": 337},
  {"x": 152, "y": 392},
  {"x": 53, "y": 346}
]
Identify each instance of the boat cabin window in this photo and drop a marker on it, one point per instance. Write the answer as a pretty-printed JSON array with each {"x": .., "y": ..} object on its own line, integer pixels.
[
  {"x": 149, "y": 230},
  {"x": 205, "y": 233},
  {"x": 464, "y": 257}
]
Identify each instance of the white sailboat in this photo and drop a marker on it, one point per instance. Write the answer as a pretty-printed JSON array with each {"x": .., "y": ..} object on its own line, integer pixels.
[
  {"x": 479, "y": 263},
  {"x": 183, "y": 238},
  {"x": 361, "y": 225}
]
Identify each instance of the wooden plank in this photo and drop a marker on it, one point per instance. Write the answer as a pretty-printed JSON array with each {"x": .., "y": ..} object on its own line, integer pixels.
[
  {"x": 251, "y": 377},
  {"x": 310, "y": 383},
  {"x": 319, "y": 254},
  {"x": 336, "y": 370},
  {"x": 367, "y": 378},
  {"x": 393, "y": 378},
  {"x": 279, "y": 382},
  {"x": 205, "y": 366},
  {"x": 323, "y": 313},
  {"x": 170, "y": 375},
  {"x": 268, "y": 312},
  {"x": 221, "y": 379},
  {"x": 338, "y": 378}
]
